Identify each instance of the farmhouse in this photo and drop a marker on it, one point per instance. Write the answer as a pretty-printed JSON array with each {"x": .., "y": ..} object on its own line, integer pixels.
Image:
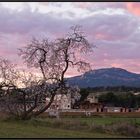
[
  {"x": 91, "y": 103},
  {"x": 117, "y": 109},
  {"x": 61, "y": 101},
  {"x": 95, "y": 107},
  {"x": 113, "y": 109},
  {"x": 92, "y": 98}
]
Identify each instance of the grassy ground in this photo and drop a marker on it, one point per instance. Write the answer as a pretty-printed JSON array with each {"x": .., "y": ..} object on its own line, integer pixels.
[
  {"x": 102, "y": 120},
  {"x": 117, "y": 126},
  {"x": 31, "y": 129},
  {"x": 68, "y": 127}
]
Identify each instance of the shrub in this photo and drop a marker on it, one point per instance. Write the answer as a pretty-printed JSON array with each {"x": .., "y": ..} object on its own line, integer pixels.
[{"x": 124, "y": 128}]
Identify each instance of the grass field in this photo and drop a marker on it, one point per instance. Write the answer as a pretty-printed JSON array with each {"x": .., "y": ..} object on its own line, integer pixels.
[
  {"x": 30, "y": 129},
  {"x": 104, "y": 120},
  {"x": 71, "y": 127}
]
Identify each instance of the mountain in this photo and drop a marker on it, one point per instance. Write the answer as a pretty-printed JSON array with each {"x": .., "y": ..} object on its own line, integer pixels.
[{"x": 106, "y": 77}]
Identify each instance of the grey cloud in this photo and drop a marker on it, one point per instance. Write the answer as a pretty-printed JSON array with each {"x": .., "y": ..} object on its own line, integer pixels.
[{"x": 121, "y": 30}]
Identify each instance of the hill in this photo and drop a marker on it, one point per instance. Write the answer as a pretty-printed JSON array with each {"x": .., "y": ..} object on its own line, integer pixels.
[{"x": 106, "y": 77}]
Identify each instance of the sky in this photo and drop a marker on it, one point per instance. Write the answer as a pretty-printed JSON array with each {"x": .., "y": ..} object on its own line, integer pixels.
[{"x": 114, "y": 27}]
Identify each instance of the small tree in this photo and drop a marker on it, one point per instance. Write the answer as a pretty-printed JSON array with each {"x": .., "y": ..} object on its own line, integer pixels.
[{"x": 20, "y": 92}]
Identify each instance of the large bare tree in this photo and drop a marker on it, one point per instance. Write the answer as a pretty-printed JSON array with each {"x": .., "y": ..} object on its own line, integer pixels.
[{"x": 53, "y": 59}]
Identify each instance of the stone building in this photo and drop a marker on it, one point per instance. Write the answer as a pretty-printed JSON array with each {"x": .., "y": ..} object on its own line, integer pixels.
[
  {"x": 92, "y": 98},
  {"x": 61, "y": 101},
  {"x": 65, "y": 101}
]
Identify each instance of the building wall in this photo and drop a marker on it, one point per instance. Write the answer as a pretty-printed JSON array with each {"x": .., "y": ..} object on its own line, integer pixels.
[
  {"x": 60, "y": 102},
  {"x": 92, "y": 99}
]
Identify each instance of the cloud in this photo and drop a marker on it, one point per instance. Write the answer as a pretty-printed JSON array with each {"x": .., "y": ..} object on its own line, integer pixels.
[
  {"x": 133, "y": 7},
  {"x": 111, "y": 27},
  {"x": 94, "y": 6},
  {"x": 116, "y": 35}
]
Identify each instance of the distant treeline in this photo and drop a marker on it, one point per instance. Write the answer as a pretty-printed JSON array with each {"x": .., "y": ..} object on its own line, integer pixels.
[
  {"x": 119, "y": 88},
  {"x": 120, "y": 100}
]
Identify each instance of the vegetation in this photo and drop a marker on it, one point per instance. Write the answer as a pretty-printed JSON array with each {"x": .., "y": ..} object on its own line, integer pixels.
[
  {"x": 121, "y": 100},
  {"x": 84, "y": 93},
  {"x": 93, "y": 127},
  {"x": 109, "y": 125},
  {"x": 22, "y": 130},
  {"x": 112, "y": 89},
  {"x": 69, "y": 128},
  {"x": 114, "y": 96}
]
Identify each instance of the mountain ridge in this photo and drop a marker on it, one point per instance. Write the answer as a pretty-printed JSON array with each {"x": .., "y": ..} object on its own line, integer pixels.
[{"x": 106, "y": 77}]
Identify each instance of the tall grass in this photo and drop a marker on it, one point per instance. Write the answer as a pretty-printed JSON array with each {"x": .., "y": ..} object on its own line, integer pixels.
[{"x": 124, "y": 128}]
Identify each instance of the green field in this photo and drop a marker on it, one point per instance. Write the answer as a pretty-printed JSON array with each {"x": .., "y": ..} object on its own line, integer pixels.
[
  {"x": 33, "y": 129},
  {"x": 67, "y": 127},
  {"x": 103, "y": 120}
]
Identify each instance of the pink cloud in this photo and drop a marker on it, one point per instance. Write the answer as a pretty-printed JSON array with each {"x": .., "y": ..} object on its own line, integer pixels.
[
  {"x": 118, "y": 65},
  {"x": 105, "y": 36},
  {"x": 101, "y": 36},
  {"x": 128, "y": 64},
  {"x": 133, "y": 7}
]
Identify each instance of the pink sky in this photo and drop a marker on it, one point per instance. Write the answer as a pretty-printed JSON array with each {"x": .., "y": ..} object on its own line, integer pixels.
[{"x": 114, "y": 27}]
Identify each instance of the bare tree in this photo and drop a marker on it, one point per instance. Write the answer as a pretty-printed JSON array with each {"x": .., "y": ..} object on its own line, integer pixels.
[
  {"x": 56, "y": 57},
  {"x": 24, "y": 94},
  {"x": 20, "y": 92}
]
